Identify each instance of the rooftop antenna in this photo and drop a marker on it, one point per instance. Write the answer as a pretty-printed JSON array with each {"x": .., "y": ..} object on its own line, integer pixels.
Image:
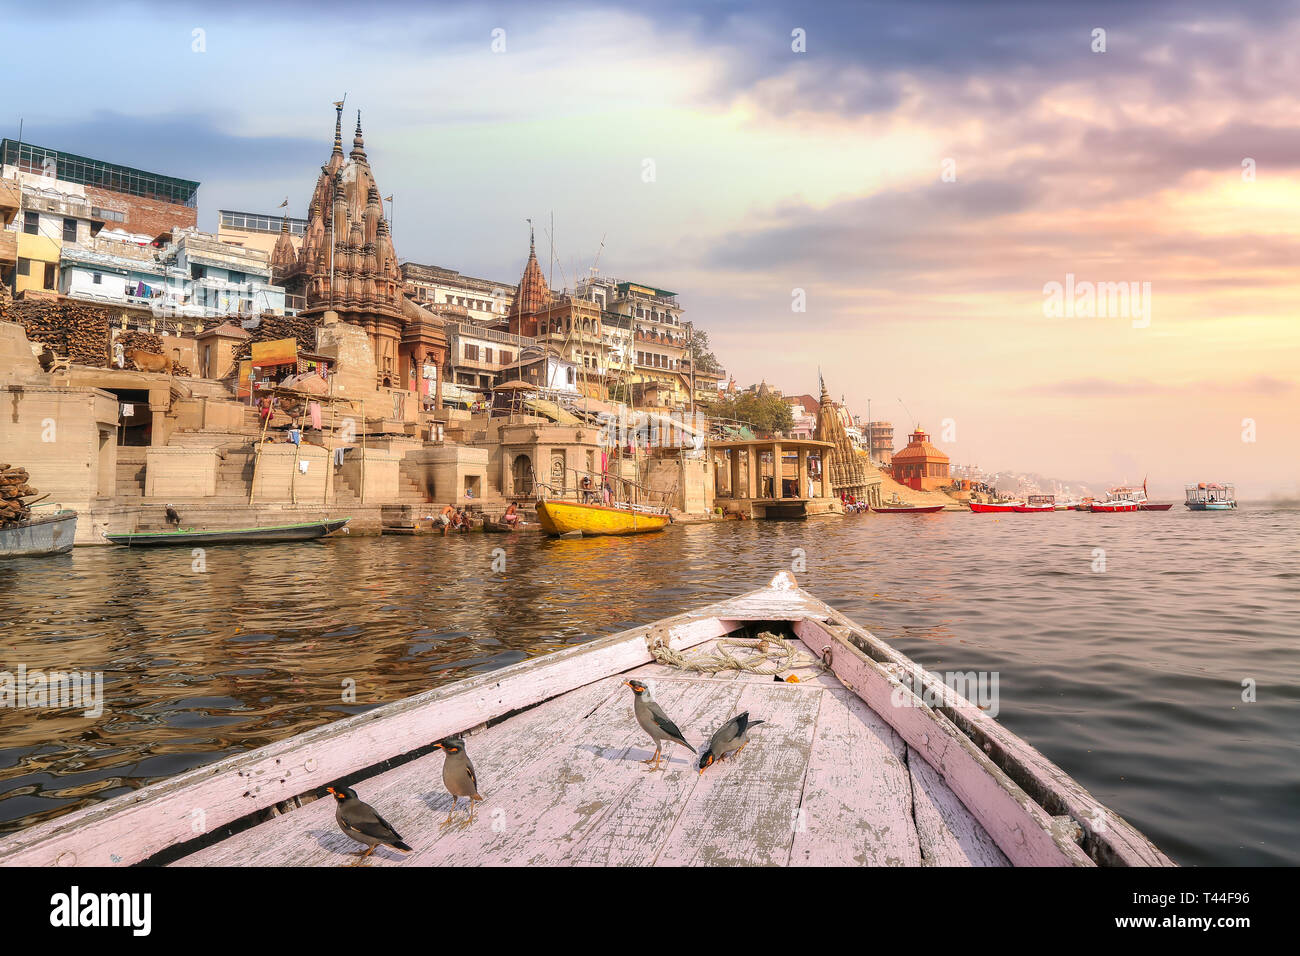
[{"x": 909, "y": 414}]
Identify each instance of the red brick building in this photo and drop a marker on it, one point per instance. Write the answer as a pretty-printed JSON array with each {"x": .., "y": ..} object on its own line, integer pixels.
[{"x": 121, "y": 197}]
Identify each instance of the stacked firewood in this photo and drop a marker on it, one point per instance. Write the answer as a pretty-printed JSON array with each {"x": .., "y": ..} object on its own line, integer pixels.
[
  {"x": 275, "y": 327},
  {"x": 13, "y": 489},
  {"x": 79, "y": 332}
]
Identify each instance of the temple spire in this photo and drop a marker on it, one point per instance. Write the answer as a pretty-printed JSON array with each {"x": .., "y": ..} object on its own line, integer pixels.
[
  {"x": 338, "y": 127},
  {"x": 358, "y": 142}
]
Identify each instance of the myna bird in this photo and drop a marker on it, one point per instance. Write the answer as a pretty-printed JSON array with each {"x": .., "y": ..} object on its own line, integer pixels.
[
  {"x": 173, "y": 518},
  {"x": 458, "y": 776},
  {"x": 654, "y": 721},
  {"x": 360, "y": 821},
  {"x": 731, "y": 737}
]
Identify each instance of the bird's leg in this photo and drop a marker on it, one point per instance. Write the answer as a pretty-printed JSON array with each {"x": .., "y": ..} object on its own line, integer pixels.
[
  {"x": 655, "y": 758},
  {"x": 446, "y": 823}
]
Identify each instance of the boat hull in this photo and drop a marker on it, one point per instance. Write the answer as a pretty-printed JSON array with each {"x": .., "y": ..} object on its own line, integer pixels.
[
  {"x": 1115, "y": 508},
  {"x": 1147, "y": 506},
  {"x": 1033, "y": 509},
  {"x": 305, "y": 531},
  {"x": 569, "y": 517},
  {"x": 1211, "y": 505},
  {"x": 908, "y": 510},
  {"x": 52, "y": 534},
  {"x": 981, "y": 508}
]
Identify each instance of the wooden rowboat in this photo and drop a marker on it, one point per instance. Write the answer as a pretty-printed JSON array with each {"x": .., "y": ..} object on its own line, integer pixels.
[
  {"x": 906, "y": 509},
  {"x": 189, "y": 537},
  {"x": 570, "y": 517},
  {"x": 43, "y": 534},
  {"x": 867, "y": 760}
]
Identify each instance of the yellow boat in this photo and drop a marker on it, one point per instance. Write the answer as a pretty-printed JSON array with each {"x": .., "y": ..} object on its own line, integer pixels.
[{"x": 566, "y": 517}]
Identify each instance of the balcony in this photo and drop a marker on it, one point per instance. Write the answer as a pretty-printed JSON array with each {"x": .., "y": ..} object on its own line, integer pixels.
[{"x": 10, "y": 196}]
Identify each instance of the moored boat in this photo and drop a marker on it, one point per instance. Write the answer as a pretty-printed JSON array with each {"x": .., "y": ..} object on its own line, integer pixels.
[
  {"x": 572, "y": 517},
  {"x": 189, "y": 537},
  {"x": 42, "y": 534},
  {"x": 1211, "y": 496},
  {"x": 1037, "y": 504},
  {"x": 993, "y": 507},
  {"x": 893, "y": 764},
  {"x": 906, "y": 509}
]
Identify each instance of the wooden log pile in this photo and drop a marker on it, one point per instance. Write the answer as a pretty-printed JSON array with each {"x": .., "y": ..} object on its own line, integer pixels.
[
  {"x": 275, "y": 327},
  {"x": 13, "y": 489},
  {"x": 79, "y": 332}
]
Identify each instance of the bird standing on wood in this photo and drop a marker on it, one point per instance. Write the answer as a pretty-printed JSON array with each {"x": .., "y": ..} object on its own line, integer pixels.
[
  {"x": 458, "y": 776},
  {"x": 654, "y": 721},
  {"x": 731, "y": 737},
  {"x": 360, "y": 821},
  {"x": 173, "y": 518}
]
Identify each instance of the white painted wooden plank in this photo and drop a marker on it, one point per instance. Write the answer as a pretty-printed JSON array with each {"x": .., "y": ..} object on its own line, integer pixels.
[
  {"x": 561, "y": 798},
  {"x": 950, "y": 836},
  {"x": 410, "y": 797},
  {"x": 1021, "y": 828},
  {"x": 743, "y": 809},
  {"x": 1116, "y": 840},
  {"x": 857, "y": 800},
  {"x": 135, "y": 826}
]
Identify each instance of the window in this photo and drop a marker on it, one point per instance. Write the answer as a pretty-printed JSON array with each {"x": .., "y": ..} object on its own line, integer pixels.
[
  {"x": 471, "y": 352},
  {"x": 507, "y": 357},
  {"x": 24, "y": 267},
  {"x": 487, "y": 356},
  {"x": 69, "y": 230},
  {"x": 51, "y": 271},
  {"x": 97, "y": 279},
  {"x": 31, "y": 223}
]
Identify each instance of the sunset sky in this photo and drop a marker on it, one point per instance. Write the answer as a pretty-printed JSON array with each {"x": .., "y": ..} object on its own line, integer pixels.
[{"x": 777, "y": 170}]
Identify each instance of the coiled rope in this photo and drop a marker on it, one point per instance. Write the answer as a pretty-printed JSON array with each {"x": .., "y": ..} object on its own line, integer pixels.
[{"x": 767, "y": 655}]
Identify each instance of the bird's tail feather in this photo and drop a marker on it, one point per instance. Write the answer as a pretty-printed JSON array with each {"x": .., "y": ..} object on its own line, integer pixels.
[
  {"x": 399, "y": 845},
  {"x": 755, "y": 723},
  {"x": 682, "y": 741}
]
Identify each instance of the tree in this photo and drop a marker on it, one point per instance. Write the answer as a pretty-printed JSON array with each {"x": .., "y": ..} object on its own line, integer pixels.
[
  {"x": 701, "y": 356},
  {"x": 766, "y": 414}
]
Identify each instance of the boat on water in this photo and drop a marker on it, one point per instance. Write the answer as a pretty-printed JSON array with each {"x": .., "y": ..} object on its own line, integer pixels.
[
  {"x": 1084, "y": 504},
  {"x": 888, "y": 763},
  {"x": 993, "y": 507},
  {"x": 572, "y": 517},
  {"x": 897, "y": 506},
  {"x": 189, "y": 537},
  {"x": 1211, "y": 496},
  {"x": 43, "y": 534},
  {"x": 1036, "y": 504}
]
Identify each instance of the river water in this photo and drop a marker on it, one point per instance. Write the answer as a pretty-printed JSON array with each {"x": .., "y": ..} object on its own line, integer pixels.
[{"x": 1125, "y": 667}]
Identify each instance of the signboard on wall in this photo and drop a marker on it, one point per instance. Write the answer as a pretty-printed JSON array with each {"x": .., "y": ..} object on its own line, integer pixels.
[{"x": 278, "y": 352}]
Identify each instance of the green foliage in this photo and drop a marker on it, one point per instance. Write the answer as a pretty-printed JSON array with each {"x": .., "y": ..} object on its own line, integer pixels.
[{"x": 766, "y": 414}]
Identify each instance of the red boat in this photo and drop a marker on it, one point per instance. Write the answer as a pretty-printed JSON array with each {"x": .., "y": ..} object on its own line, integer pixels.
[
  {"x": 1036, "y": 504},
  {"x": 1109, "y": 507},
  {"x": 1148, "y": 506},
  {"x": 983, "y": 508}
]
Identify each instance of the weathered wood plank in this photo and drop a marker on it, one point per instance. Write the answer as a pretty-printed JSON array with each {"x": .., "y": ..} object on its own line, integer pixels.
[
  {"x": 1020, "y": 827},
  {"x": 135, "y": 826},
  {"x": 743, "y": 809},
  {"x": 562, "y": 799},
  {"x": 857, "y": 800},
  {"x": 950, "y": 836},
  {"x": 1114, "y": 839},
  {"x": 411, "y": 797}
]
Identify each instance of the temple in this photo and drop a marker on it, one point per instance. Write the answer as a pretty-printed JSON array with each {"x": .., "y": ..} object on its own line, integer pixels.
[{"x": 347, "y": 268}]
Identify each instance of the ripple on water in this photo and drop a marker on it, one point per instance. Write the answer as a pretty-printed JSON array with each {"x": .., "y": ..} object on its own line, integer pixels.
[{"x": 1131, "y": 678}]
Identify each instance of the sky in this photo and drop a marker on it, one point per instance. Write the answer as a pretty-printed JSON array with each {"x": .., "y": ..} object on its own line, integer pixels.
[{"x": 934, "y": 204}]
